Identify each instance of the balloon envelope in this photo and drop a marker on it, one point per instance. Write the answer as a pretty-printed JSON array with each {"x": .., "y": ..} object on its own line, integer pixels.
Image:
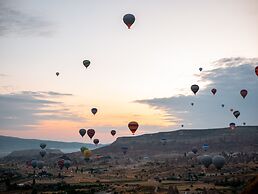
[
  {"x": 243, "y": 93},
  {"x": 43, "y": 145},
  {"x": 222, "y": 105},
  {"x": 124, "y": 149},
  {"x": 205, "y": 147},
  {"x": 213, "y": 91},
  {"x": 113, "y": 132},
  {"x": 67, "y": 164},
  {"x": 82, "y": 132},
  {"x": 42, "y": 153},
  {"x": 91, "y": 133},
  {"x": 40, "y": 164},
  {"x": 87, "y": 154},
  {"x": 57, "y": 73},
  {"x": 232, "y": 125},
  {"x": 129, "y": 19},
  {"x": 83, "y": 148},
  {"x": 33, "y": 163},
  {"x": 86, "y": 63},
  {"x": 194, "y": 88},
  {"x": 206, "y": 160},
  {"x": 94, "y": 110},
  {"x": 236, "y": 113},
  {"x": 60, "y": 164},
  {"x": 200, "y": 69},
  {"x": 194, "y": 150},
  {"x": 133, "y": 126},
  {"x": 256, "y": 70},
  {"x": 96, "y": 141},
  {"x": 218, "y": 161}
]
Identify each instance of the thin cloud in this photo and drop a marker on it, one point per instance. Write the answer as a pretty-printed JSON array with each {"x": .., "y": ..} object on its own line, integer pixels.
[
  {"x": 27, "y": 108},
  {"x": 229, "y": 76},
  {"x": 13, "y": 21}
]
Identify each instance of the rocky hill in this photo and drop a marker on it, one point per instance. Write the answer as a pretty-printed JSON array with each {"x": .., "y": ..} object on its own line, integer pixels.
[{"x": 242, "y": 139}]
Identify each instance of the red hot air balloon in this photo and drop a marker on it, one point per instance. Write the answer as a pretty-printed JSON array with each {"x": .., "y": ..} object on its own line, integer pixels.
[
  {"x": 82, "y": 132},
  {"x": 91, "y": 133},
  {"x": 133, "y": 126},
  {"x": 113, "y": 132},
  {"x": 256, "y": 70},
  {"x": 213, "y": 91},
  {"x": 96, "y": 141},
  {"x": 129, "y": 19},
  {"x": 243, "y": 93},
  {"x": 60, "y": 163},
  {"x": 194, "y": 88}
]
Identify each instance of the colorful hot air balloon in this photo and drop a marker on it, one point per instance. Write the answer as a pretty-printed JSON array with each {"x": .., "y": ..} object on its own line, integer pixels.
[
  {"x": 42, "y": 153},
  {"x": 60, "y": 163},
  {"x": 133, "y": 126},
  {"x": 218, "y": 161},
  {"x": 243, "y": 93},
  {"x": 256, "y": 70},
  {"x": 94, "y": 110},
  {"x": 195, "y": 88},
  {"x": 43, "y": 145},
  {"x": 91, "y": 133},
  {"x": 96, "y": 141},
  {"x": 200, "y": 69},
  {"x": 87, "y": 154},
  {"x": 236, "y": 113},
  {"x": 206, "y": 160},
  {"x": 113, "y": 132},
  {"x": 213, "y": 91},
  {"x": 129, "y": 19},
  {"x": 83, "y": 148},
  {"x": 57, "y": 73},
  {"x": 86, "y": 63},
  {"x": 232, "y": 126},
  {"x": 82, "y": 132}
]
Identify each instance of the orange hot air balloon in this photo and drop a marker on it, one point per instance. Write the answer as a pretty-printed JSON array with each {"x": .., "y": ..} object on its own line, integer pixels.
[
  {"x": 213, "y": 91},
  {"x": 256, "y": 70},
  {"x": 243, "y": 93},
  {"x": 133, "y": 126}
]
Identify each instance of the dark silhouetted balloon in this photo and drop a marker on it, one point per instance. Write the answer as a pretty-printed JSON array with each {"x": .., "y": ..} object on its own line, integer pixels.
[
  {"x": 244, "y": 123},
  {"x": 40, "y": 164},
  {"x": 243, "y": 93},
  {"x": 222, "y": 105},
  {"x": 236, "y": 113},
  {"x": 57, "y": 73},
  {"x": 182, "y": 125},
  {"x": 200, "y": 69},
  {"x": 96, "y": 141},
  {"x": 91, "y": 133},
  {"x": 60, "y": 163},
  {"x": 256, "y": 70},
  {"x": 33, "y": 163},
  {"x": 218, "y": 161},
  {"x": 194, "y": 88},
  {"x": 94, "y": 110},
  {"x": 232, "y": 125},
  {"x": 231, "y": 109},
  {"x": 163, "y": 141},
  {"x": 206, "y": 160},
  {"x": 194, "y": 150},
  {"x": 133, "y": 126},
  {"x": 124, "y": 149},
  {"x": 82, "y": 132},
  {"x": 129, "y": 19},
  {"x": 113, "y": 132},
  {"x": 192, "y": 103},
  {"x": 213, "y": 91},
  {"x": 42, "y": 153},
  {"x": 43, "y": 145},
  {"x": 67, "y": 164},
  {"x": 86, "y": 63}
]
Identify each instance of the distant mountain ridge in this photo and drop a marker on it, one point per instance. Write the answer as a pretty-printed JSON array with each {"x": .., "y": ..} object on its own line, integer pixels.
[{"x": 9, "y": 144}]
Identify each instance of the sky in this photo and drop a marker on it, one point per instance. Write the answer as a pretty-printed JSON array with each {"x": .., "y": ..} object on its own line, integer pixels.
[{"x": 143, "y": 74}]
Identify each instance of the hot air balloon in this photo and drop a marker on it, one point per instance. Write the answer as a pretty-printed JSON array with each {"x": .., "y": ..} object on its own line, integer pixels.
[
  {"x": 87, "y": 154},
  {"x": 113, "y": 132},
  {"x": 129, "y": 19},
  {"x": 231, "y": 109},
  {"x": 232, "y": 125},
  {"x": 82, "y": 132},
  {"x": 205, "y": 147},
  {"x": 33, "y": 163},
  {"x": 195, "y": 88},
  {"x": 96, "y": 141},
  {"x": 124, "y": 149},
  {"x": 57, "y": 73},
  {"x": 86, "y": 63},
  {"x": 91, "y": 133},
  {"x": 67, "y": 164},
  {"x": 182, "y": 125},
  {"x": 40, "y": 164},
  {"x": 213, "y": 91},
  {"x": 222, "y": 105},
  {"x": 83, "y": 148},
  {"x": 163, "y": 141},
  {"x": 244, "y": 123},
  {"x": 200, "y": 69},
  {"x": 199, "y": 159},
  {"x": 190, "y": 155},
  {"x": 206, "y": 161},
  {"x": 218, "y": 161},
  {"x": 256, "y": 70},
  {"x": 236, "y": 113},
  {"x": 60, "y": 163},
  {"x": 133, "y": 126},
  {"x": 43, "y": 145},
  {"x": 192, "y": 103},
  {"x": 94, "y": 111},
  {"x": 243, "y": 93},
  {"x": 194, "y": 150},
  {"x": 42, "y": 153}
]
